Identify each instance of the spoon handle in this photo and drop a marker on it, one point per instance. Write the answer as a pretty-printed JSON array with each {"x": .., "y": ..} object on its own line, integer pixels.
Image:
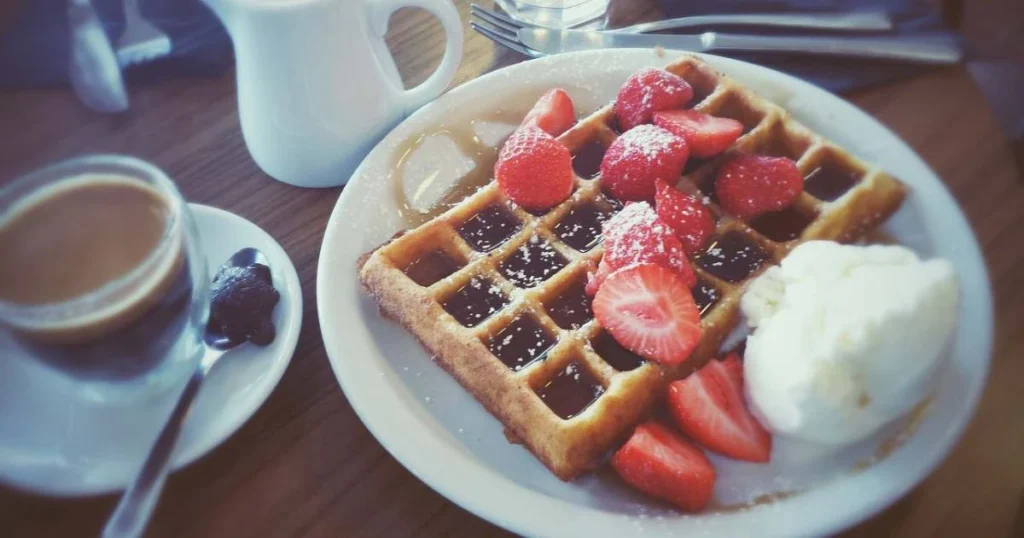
[{"x": 136, "y": 506}]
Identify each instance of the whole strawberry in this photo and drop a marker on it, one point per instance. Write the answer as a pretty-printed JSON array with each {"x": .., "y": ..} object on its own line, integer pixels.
[
  {"x": 534, "y": 170},
  {"x": 751, "y": 185},
  {"x": 646, "y": 92},
  {"x": 637, "y": 235},
  {"x": 691, "y": 219},
  {"x": 638, "y": 159}
]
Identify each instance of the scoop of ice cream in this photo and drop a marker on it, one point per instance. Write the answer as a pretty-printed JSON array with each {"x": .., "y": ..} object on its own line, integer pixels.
[{"x": 846, "y": 338}]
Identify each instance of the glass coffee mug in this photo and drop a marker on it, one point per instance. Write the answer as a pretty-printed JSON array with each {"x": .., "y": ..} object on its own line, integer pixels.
[{"x": 102, "y": 277}]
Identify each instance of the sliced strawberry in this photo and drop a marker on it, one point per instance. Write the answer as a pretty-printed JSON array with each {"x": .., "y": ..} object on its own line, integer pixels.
[
  {"x": 708, "y": 406},
  {"x": 706, "y": 135},
  {"x": 640, "y": 157},
  {"x": 595, "y": 279},
  {"x": 751, "y": 185},
  {"x": 534, "y": 170},
  {"x": 646, "y": 92},
  {"x": 690, "y": 219},
  {"x": 554, "y": 112},
  {"x": 649, "y": 310},
  {"x": 661, "y": 464},
  {"x": 637, "y": 235}
]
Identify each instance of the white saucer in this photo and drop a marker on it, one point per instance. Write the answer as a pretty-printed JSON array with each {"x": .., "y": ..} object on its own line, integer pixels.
[{"x": 54, "y": 442}]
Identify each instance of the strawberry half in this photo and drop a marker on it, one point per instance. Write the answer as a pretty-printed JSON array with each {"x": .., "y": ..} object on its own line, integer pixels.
[
  {"x": 646, "y": 92},
  {"x": 636, "y": 235},
  {"x": 751, "y": 185},
  {"x": 640, "y": 157},
  {"x": 706, "y": 135},
  {"x": 534, "y": 170},
  {"x": 661, "y": 464},
  {"x": 554, "y": 113},
  {"x": 691, "y": 220},
  {"x": 649, "y": 310},
  {"x": 708, "y": 406},
  {"x": 595, "y": 279}
]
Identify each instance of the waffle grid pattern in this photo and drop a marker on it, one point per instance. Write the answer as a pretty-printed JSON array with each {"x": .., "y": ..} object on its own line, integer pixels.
[{"x": 571, "y": 446}]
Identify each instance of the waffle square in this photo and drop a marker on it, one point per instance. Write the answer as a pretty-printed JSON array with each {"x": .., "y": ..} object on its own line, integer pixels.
[{"x": 495, "y": 294}]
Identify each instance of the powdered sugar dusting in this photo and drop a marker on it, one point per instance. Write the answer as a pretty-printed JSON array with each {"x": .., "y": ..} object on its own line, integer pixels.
[
  {"x": 649, "y": 141},
  {"x": 637, "y": 235}
]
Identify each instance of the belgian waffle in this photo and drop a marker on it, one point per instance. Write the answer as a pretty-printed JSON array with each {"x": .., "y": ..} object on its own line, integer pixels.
[{"x": 496, "y": 294}]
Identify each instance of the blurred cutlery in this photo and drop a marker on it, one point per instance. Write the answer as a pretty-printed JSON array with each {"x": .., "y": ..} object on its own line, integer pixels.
[
  {"x": 937, "y": 49},
  {"x": 141, "y": 41},
  {"x": 870, "y": 20},
  {"x": 536, "y": 42},
  {"x": 93, "y": 69}
]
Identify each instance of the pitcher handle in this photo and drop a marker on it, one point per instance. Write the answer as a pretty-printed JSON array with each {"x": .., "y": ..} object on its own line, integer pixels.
[{"x": 445, "y": 11}]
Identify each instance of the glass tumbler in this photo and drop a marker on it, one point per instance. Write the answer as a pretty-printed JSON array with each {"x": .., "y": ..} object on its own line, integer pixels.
[
  {"x": 134, "y": 333},
  {"x": 555, "y": 13}
]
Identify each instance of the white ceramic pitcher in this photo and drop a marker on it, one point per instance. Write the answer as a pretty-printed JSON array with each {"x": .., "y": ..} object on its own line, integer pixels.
[{"x": 317, "y": 86}]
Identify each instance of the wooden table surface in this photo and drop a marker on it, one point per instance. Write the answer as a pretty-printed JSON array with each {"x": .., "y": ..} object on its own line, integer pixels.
[{"x": 305, "y": 465}]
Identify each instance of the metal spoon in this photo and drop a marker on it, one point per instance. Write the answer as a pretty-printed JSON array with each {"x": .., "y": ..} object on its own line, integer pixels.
[{"x": 136, "y": 506}]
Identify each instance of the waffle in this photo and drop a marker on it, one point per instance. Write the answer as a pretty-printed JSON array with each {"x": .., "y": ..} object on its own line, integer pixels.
[{"x": 495, "y": 294}]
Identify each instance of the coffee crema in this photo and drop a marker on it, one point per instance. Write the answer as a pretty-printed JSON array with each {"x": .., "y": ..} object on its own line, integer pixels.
[{"x": 76, "y": 237}]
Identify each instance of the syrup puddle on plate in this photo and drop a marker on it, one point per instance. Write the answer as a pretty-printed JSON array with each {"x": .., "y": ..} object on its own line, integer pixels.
[{"x": 435, "y": 170}]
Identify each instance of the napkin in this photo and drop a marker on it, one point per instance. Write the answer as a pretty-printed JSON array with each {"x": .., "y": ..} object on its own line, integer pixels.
[
  {"x": 911, "y": 17},
  {"x": 34, "y": 40}
]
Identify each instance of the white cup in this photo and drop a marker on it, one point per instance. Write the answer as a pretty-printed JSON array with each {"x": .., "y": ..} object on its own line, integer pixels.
[{"x": 317, "y": 86}]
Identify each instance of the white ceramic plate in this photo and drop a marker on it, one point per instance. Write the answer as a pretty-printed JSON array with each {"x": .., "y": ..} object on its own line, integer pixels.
[
  {"x": 55, "y": 442},
  {"x": 439, "y": 432}
]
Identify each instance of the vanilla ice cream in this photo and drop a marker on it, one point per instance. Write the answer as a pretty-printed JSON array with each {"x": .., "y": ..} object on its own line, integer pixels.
[{"x": 846, "y": 338}]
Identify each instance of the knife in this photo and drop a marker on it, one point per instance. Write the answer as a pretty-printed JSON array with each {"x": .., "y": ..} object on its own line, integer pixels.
[
  {"x": 861, "y": 21},
  {"x": 939, "y": 48},
  {"x": 93, "y": 69}
]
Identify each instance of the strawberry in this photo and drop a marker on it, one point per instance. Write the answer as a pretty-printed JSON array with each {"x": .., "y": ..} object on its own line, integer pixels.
[
  {"x": 661, "y": 464},
  {"x": 646, "y": 92},
  {"x": 708, "y": 406},
  {"x": 594, "y": 280},
  {"x": 690, "y": 219},
  {"x": 751, "y": 185},
  {"x": 553, "y": 113},
  {"x": 636, "y": 235},
  {"x": 649, "y": 310},
  {"x": 706, "y": 135},
  {"x": 534, "y": 170},
  {"x": 640, "y": 157}
]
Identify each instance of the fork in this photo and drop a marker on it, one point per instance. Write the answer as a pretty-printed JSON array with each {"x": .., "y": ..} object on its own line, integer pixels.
[
  {"x": 500, "y": 29},
  {"x": 141, "y": 41},
  {"x": 537, "y": 42}
]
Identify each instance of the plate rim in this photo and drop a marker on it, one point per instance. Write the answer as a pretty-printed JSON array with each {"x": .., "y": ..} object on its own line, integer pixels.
[{"x": 537, "y": 503}]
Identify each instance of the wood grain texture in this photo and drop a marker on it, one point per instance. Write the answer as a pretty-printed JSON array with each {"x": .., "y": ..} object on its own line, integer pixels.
[{"x": 305, "y": 466}]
